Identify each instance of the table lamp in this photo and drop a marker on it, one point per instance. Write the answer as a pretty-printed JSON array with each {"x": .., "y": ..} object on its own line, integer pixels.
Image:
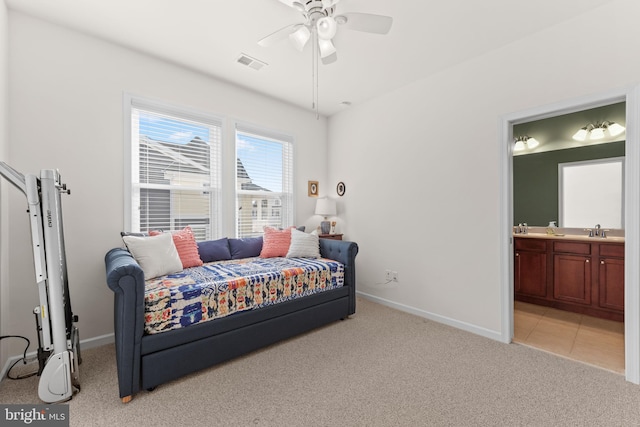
[{"x": 325, "y": 207}]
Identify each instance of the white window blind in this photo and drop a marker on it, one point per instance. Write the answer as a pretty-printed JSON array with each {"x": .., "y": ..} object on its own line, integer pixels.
[
  {"x": 175, "y": 170},
  {"x": 264, "y": 180}
]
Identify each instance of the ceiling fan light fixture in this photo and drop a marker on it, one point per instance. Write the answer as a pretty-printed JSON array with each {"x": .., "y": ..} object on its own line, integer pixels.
[
  {"x": 300, "y": 37},
  {"x": 326, "y": 48},
  {"x": 327, "y": 27},
  {"x": 326, "y": 4}
]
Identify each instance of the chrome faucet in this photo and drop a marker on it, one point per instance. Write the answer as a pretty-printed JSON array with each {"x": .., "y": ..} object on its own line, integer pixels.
[{"x": 597, "y": 228}]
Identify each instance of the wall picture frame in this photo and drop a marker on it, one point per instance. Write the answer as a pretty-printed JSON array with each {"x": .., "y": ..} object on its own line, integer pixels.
[
  {"x": 341, "y": 188},
  {"x": 312, "y": 188}
]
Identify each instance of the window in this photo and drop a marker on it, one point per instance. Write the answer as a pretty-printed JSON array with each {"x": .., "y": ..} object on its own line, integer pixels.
[
  {"x": 264, "y": 180},
  {"x": 174, "y": 170}
]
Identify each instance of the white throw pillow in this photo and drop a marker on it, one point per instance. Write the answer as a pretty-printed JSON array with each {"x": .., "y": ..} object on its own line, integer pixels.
[
  {"x": 303, "y": 245},
  {"x": 157, "y": 255}
]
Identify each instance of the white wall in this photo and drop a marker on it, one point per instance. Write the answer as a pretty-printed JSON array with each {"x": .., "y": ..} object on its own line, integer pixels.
[
  {"x": 66, "y": 112},
  {"x": 423, "y": 183},
  {"x": 4, "y": 210}
]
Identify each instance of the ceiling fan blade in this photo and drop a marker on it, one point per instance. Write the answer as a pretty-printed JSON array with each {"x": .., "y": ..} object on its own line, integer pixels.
[
  {"x": 367, "y": 22},
  {"x": 330, "y": 59},
  {"x": 281, "y": 34}
]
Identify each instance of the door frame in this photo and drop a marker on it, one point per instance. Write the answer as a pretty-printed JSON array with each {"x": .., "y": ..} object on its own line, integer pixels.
[{"x": 631, "y": 96}]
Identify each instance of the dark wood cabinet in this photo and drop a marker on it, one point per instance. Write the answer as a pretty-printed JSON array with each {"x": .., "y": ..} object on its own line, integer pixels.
[
  {"x": 572, "y": 278},
  {"x": 611, "y": 277},
  {"x": 575, "y": 275},
  {"x": 530, "y": 267}
]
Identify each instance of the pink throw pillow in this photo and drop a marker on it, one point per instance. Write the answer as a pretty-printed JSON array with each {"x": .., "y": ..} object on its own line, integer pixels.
[
  {"x": 275, "y": 242},
  {"x": 186, "y": 245}
]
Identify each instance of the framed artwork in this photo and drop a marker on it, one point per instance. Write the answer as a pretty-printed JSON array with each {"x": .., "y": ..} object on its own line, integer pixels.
[
  {"x": 341, "y": 188},
  {"x": 313, "y": 188}
]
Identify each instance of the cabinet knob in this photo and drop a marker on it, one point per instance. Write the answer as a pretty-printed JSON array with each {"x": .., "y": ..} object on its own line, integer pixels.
[
  {"x": 517, "y": 254},
  {"x": 586, "y": 260},
  {"x": 602, "y": 262}
]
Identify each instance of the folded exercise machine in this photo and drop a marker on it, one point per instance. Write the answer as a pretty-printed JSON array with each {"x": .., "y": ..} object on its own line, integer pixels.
[{"x": 58, "y": 340}]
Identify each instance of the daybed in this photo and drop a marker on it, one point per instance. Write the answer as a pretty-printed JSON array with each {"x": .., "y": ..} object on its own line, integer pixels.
[{"x": 147, "y": 358}]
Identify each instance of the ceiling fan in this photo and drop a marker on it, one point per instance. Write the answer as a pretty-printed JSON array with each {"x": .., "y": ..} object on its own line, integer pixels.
[{"x": 320, "y": 25}]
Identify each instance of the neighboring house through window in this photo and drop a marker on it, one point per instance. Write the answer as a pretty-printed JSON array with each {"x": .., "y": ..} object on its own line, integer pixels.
[
  {"x": 264, "y": 186},
  {"x": 174, "y": 170}
]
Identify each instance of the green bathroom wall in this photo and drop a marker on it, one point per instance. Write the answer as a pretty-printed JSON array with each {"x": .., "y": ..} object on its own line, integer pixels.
[{"x": 535, "y": 180}]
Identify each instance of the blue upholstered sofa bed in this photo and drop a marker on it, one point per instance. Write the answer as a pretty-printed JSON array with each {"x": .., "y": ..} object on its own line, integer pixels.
[{"x": 146, "y": 360}]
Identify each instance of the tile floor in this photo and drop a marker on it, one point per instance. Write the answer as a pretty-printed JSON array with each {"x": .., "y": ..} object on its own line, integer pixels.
[{"x": 588, "y": 339}]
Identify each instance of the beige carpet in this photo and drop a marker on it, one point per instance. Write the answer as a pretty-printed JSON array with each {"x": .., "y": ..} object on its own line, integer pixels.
[{"x": 379, "y": 368}]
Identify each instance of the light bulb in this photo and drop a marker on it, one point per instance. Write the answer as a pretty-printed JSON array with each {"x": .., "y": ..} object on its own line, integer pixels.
[
  {"x": 300, "y": 37},
  {"x": 597, "y": 133},
  {"x": 581, "y": 135},
  {"x": 327, "y": 27},
  {"x": 326, "y": 48},
  {"x": 615, "y": 129}
]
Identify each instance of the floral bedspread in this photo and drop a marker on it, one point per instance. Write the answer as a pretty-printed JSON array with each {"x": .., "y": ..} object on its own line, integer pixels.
[{"x": 217, "y": 289}]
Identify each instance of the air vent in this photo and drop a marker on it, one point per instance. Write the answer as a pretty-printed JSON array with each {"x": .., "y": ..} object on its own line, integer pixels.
[{"x": 250, "y": 62}]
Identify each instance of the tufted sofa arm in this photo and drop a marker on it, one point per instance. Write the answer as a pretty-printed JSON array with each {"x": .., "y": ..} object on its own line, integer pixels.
[
  {"x": 344, "y": 252},
  {"x": 126, "y": 280}
]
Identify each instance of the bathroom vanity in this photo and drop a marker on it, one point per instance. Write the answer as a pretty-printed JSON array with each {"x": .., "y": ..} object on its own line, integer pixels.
[{"x": 571, "y": 272}]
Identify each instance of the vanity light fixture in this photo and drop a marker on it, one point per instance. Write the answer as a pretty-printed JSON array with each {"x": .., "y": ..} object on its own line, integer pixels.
[
  {"x": 525, "y": 142},
  {"x": 597, "y": 131}
]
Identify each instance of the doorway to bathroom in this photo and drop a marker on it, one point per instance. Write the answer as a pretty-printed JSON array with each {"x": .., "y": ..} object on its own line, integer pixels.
[
  {"x": 522, "y": 318},
  {"x": 568, "y": 178}
]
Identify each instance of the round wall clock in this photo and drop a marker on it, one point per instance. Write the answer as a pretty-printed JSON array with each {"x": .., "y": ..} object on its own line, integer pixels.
[{"x": 341, "y": 188}]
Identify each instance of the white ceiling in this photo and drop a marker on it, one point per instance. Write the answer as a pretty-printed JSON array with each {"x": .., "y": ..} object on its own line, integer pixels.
[{"x": 209, "y": 36}]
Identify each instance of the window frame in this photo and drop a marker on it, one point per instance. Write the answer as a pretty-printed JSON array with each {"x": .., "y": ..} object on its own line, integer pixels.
[
  {"x": 288, "y": 206},
  {"x": 131, "y": 165}
]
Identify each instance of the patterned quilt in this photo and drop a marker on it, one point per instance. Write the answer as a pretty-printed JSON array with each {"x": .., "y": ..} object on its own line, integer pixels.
[{"x": 217, "y": 289}]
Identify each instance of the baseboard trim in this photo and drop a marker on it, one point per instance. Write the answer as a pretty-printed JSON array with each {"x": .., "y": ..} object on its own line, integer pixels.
[
  {"x": 84, "y": 345},
  {"x": 494, "y": 335}
]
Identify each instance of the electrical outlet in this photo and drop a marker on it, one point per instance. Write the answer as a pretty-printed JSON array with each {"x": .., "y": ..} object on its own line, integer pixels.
[
  {"x": 394, "y": 276},
  {"x": 387, "y": 275}
]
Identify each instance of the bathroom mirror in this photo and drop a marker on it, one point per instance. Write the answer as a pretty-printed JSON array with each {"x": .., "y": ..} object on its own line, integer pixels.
[{"x": 591, "y": 192}]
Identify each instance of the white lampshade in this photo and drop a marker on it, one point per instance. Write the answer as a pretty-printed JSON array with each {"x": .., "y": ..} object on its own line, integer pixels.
[
  {"x": 615, "y": 129},
  {"x": 300, "y": 37},
  {"x": 581, "y": 135},
  {"x": 326, "y": 48},
  {"x": 597, "y": 133},
  {"x": 519, "y": 146},
  {"x": 327, "y": 27},
  {"x": 325, "y": 207},
  {"x": 532, "y": 143}
]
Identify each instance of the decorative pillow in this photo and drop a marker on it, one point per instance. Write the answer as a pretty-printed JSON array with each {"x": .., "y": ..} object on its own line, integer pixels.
[
  {"x": 214, "y": 250},
  {"x": 157, "y": 255},
  {"x": 276, "y": 242},
  {"x": 186, "y": 245},
  {"x": 303, "y": 245},
  {"x": 246, "y": 247},
  {"x": 132, "y": 233}
]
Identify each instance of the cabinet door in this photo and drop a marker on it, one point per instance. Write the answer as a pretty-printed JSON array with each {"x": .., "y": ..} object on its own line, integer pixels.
[
  {"x": 611, "y": 275},
  {"x": 572, "y": 278},
  {"x": 530, "y": 270}
]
